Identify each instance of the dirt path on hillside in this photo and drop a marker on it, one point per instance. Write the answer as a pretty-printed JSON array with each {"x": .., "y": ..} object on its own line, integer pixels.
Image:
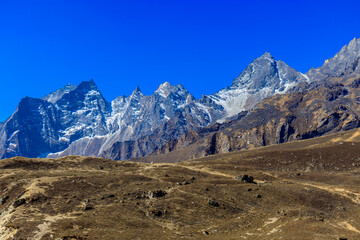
[
  {"x": 352, "y": 195},
  {"x": 206, "y": 170}
]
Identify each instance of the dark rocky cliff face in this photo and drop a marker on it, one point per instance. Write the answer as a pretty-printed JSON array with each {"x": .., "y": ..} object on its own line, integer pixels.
[
  {"x": 84, "y": 111},
  {"x": 32, "y": 130},
  {"x": 39, "y": 127}
]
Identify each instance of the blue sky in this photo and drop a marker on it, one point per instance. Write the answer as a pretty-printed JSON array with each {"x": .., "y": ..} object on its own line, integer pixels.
[{"x": 45, "y": 44}]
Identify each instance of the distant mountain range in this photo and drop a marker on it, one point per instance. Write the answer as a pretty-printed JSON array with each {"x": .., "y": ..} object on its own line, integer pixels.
[{"x": 78, "y": 120}]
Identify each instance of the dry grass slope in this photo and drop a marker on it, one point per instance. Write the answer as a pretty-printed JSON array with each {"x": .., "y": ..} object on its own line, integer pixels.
[{"x": 302, "y": 190}]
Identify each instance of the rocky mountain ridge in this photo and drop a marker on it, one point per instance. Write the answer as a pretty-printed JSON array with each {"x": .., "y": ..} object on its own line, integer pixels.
[
  {"x": 79, "y": 120},
  {"x": 320, "y": 110},
  {"x": 311, "y": 109},
  {"x": 263, "y": 77}
]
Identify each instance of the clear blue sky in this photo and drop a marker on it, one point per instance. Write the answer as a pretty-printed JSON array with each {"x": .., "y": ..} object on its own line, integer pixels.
[{"x": 121, "y": 44}]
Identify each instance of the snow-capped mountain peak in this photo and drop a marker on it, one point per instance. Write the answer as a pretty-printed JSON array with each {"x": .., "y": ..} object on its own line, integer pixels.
[
  {"x": 167, "y": 88},
  {"x": 136, "y": 95},
  {"x": 257, "y": 74},
  {"x": 164, "y": 89},
  {"x": 262, "y": 78},
  {"x": 267, "y": 56},
  {"x": 87, "y": 86}
]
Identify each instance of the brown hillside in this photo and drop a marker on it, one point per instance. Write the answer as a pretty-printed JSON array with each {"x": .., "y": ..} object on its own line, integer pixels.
[{"x": 301, "y": 190}]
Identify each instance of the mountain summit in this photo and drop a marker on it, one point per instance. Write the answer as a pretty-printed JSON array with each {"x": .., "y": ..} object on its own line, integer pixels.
[{"x": 262, "y": 78}]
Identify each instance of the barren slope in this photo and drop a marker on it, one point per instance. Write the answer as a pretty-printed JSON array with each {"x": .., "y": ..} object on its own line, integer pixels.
[{"x": 303, "y": 190}]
